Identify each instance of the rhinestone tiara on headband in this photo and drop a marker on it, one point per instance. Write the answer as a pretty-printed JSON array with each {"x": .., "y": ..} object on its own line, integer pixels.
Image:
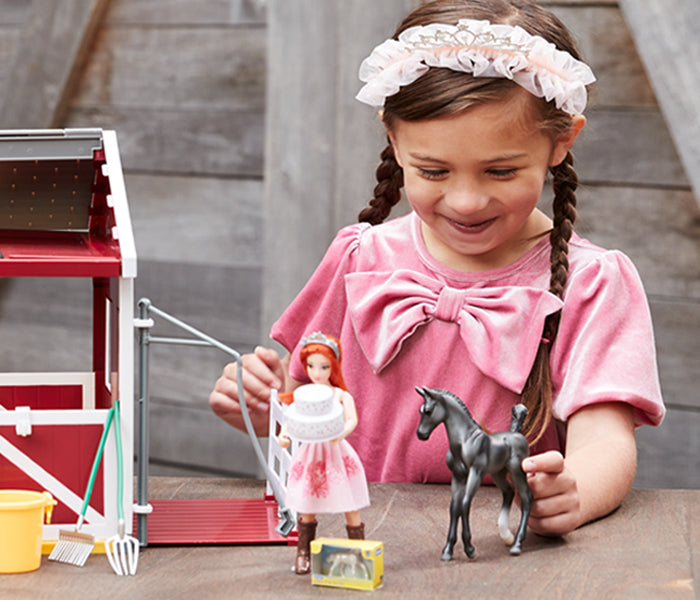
[
  {"x": 482, "y": 49},
  {"x": 319, "y": 338}
]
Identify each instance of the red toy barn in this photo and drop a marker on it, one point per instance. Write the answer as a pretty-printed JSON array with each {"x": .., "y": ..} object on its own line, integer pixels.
[{"x": 64, "y": 213}]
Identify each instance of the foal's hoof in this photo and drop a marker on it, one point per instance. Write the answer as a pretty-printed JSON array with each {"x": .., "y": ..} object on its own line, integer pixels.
[
  {"x": 508, "y": 538},
  {"x": 470, "y": 551},
  {"x": 446, "y": 556},
  {"x": 515, "y": 549}
]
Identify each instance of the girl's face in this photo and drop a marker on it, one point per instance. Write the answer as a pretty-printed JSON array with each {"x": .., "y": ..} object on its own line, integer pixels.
[
  {"x": 318, "y": 368},
  {"x": 474, "y": 180}
]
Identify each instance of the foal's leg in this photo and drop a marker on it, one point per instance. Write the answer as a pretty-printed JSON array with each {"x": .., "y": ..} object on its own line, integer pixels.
[
  {"x": 473, "y": 483},
  {"x": 501, "y": 480},
  {"x": 457, "y": 488},
  {"x": 520, "y": 480}
]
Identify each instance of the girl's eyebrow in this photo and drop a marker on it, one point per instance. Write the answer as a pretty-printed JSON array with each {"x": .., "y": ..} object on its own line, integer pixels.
[
  {"x": 506, "y": 157},
  {"x": 427, "y": 158},
  {"x": 497, "y": 159}
]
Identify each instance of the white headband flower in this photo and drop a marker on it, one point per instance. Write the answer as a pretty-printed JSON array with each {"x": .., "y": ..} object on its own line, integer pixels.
[{"x": 480, "y": 48}]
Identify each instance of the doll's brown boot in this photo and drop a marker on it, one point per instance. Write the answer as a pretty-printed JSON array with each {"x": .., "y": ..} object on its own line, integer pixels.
[
  {"x": 356, "y": 532},
  {"x": 307, "y": 532}
]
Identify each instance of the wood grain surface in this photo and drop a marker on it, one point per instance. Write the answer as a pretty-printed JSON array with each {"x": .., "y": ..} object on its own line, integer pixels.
[{"x": 647, "y": 549}]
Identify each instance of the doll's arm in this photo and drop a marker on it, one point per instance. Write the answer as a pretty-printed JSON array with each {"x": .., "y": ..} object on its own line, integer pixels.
[
  {"x": 349, "y": 414},
  {"x": 283, "y": 437},
  {"x": 595, "y": 476}
]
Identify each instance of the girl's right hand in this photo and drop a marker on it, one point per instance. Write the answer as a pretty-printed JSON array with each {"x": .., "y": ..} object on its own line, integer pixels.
[{"x": 262, "y": 371}]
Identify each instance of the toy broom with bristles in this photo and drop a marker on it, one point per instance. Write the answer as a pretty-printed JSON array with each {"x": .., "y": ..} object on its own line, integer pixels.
[{"x": 74, "y": 547}]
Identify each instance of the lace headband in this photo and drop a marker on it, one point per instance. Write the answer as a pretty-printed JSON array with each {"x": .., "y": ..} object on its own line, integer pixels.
[
  {"x": 480, "y": 48},
  {"x": 319, "y": 338}
]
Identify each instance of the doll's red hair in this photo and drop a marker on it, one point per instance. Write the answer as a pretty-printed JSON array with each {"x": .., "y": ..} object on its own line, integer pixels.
[{"x": 336, "y": 379}]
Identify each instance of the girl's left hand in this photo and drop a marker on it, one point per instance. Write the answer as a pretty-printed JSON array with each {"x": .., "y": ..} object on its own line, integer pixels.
[{"x": 556, "y": 507}]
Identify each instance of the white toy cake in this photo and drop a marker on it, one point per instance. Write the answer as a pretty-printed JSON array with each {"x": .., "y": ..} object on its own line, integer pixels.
[{"x": 316, "y": 415}]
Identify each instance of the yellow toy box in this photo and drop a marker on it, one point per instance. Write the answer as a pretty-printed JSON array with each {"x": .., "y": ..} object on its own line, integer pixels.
[{"x": 354, "y": 564}]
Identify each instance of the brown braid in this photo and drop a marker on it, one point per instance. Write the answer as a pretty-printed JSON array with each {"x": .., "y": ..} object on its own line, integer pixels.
[
  {"x": 537, "y": 394},
  {"x": 387, "y": 192},
  {"x": 565, "y": 183}
]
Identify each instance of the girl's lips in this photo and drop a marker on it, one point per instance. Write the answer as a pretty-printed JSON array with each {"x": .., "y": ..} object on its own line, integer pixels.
[{"x": 471, "y": 228}]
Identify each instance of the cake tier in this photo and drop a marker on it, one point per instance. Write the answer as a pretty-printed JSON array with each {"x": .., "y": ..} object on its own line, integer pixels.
[
  {"x": 313, "y": 399},
  {"x": 304, "y": 422}
]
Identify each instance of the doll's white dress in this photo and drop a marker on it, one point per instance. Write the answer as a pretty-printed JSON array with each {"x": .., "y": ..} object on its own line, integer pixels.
[{"x": 326, "y": 477}]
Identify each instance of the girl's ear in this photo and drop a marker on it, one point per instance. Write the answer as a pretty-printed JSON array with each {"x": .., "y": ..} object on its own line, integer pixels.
[
  {"x": 392, "y": 138},
  {"x": 392, "y": 141},
  {"x": 563, "y": 143}
]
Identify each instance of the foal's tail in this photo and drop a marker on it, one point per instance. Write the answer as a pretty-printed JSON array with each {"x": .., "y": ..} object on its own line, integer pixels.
[{"x": 519, "y": 413}]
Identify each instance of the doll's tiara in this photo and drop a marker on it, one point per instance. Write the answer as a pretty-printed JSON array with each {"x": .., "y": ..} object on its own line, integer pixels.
[
  {"x": 319, "y": 338},
  {"x": 482, "y": 49}
]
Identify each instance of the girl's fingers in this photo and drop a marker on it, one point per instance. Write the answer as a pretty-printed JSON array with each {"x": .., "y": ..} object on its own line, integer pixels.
[
  {"x": 226, "y": 391},
  {"x": 270, "y": 366},
  {"x": 551, "y": 505},
  {"x": 262, "y": 370},
  {"x": 547, "y": 462},
  {"x": 553, "y": 525}
]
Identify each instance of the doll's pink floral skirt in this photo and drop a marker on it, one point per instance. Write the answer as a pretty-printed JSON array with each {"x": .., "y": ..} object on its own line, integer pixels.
[{"x": 326, "y": 477}]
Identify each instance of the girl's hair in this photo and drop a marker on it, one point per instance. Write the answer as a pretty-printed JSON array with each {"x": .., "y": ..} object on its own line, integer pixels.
[
  {"x": 336, "y": 379},
  {"x": 441, "y": 92}
]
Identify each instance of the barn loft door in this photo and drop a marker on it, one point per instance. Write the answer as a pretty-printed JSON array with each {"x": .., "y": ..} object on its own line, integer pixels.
[{"x": 665, "y": 33}]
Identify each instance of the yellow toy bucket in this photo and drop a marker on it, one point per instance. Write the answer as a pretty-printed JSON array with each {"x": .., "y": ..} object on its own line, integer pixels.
[{"x": 21, "y": 520}]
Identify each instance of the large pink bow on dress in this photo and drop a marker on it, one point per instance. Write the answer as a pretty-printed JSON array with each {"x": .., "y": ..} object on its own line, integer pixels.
[{"x": 501, "y": 326}]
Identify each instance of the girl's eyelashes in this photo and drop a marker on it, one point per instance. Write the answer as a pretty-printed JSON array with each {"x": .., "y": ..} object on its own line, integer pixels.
[
  {"x": 502, "y": 173},
  {"x": 432, "y": 173},
  {"x": 497, "y": 173}
]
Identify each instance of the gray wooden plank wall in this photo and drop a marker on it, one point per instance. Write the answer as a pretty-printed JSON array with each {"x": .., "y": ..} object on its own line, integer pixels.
[
  {"x": 663, "y": 29},
  {"x": 49, "y": 57},
  {"x": 184, "y": 84}
]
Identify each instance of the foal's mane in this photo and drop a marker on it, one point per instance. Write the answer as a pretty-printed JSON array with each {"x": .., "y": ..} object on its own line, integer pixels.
[{"x": 460, "y": 404}]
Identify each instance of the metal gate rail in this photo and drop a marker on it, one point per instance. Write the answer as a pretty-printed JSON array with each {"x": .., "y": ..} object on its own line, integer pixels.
[{"x": 143, "y": 324}]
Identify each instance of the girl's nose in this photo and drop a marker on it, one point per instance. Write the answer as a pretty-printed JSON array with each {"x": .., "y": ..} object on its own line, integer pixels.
[{"x": 466, "y": 199}]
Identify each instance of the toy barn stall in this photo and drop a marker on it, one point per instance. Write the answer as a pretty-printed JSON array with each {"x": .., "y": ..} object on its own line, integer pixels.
[{"x": 63, "y": 213}]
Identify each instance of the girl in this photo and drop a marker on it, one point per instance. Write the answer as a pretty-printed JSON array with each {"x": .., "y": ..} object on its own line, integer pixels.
[
  {"x": 476, "y": 290},
  {"x": 325, "y": 476}
]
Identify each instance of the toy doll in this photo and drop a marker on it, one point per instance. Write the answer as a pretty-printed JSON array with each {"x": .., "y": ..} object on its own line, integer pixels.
[{"x": 326, "y": 475}]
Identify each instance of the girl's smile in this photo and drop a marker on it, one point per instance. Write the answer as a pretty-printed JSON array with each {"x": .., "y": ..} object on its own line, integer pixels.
[
  {"x": 471, "y": 228},
  {"x": 474, "y": 180}
]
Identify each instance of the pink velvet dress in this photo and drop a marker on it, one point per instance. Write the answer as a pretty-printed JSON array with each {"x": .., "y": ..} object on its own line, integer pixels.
[
  {"x": 405, "y": 320},
  {"x": 326, "y": 477}
]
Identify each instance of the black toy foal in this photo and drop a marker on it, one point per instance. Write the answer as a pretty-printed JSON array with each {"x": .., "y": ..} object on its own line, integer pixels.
[{"x": 472, "y": 454}]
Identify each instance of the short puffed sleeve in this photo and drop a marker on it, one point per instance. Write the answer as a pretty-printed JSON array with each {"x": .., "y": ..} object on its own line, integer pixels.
[
  {"x": 321, "y": 305},
  {"x": 604, "y": 350}
]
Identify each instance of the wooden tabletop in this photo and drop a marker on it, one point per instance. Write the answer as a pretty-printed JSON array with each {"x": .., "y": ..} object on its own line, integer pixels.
[{"x": 649, "y": 548}]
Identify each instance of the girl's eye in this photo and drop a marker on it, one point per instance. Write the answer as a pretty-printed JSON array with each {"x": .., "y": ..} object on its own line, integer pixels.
[
  {"x": 432, "y": 173},
  {"x": 502, "y": 173}
]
